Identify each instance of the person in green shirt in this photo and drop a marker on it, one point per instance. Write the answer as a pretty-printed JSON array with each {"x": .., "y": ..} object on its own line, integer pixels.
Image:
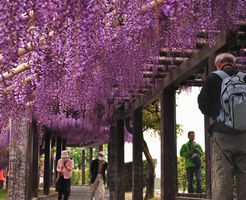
[{"x": 191, "y": 152}]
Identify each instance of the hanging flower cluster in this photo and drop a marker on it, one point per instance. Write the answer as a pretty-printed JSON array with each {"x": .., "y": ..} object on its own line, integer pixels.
[{"x": 80, "y": 59}]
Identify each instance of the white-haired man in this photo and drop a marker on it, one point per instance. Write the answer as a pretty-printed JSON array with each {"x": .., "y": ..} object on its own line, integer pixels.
[
  {"x": 229, "y": 143},
  {"x": 97, "y": 170}
]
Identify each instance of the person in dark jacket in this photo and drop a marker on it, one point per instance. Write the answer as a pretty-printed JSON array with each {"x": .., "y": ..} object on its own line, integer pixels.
[
  {"x": 229, "y": 145},
  {"x": 97, "y": 171}
]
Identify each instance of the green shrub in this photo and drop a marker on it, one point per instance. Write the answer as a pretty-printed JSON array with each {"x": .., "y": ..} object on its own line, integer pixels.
[
  {"x": 3, "y": 194},
  {"x": 77, "y": 177},
  {"x": 182, "y": 179}
]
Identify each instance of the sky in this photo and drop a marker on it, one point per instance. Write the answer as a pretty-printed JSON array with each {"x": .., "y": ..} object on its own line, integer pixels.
[{"x": 188, "y": 115}]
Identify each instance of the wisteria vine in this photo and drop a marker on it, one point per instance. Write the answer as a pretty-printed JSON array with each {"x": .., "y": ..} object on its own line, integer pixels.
[{"x": 86, "y": 56}]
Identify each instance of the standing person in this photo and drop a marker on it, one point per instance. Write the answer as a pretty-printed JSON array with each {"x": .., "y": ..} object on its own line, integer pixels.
[
  {"x": 1, "y": 179},
  {"x": 64, "y": 169},
  {"x": 97, "y": 170},
  {"x": 229, "y": 143},
  {"x": 192, "y": 152}
]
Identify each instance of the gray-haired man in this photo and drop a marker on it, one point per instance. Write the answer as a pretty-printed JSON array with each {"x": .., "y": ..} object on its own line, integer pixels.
[{"x": 229, "y": 143}]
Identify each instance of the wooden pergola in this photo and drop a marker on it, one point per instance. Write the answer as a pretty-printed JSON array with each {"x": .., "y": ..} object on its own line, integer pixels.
[{"x": 190, "y": 67}]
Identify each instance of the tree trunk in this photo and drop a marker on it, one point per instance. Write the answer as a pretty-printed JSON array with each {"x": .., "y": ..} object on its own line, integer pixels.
[
  {"x": 150, "y": 188},
  {"x": 19, "y": 160}
]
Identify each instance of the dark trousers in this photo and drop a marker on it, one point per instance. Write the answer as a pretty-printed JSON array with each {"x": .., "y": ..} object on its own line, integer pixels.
[
  {"x": 191, "y": 171},
  {"x": 65, "y": 196},
  {"x": 64, "y": 189},
  {"x": 7, "y": 182},
  {"x": 1, "y": 184}
]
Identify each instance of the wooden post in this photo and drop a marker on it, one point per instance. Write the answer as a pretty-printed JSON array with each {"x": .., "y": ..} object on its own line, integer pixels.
[
  {"x": 112, "y": 160},
  {"x": 137, "y": 165},
  {"x": 64, "y": 144},
  {"x": 35, "y": 161},
  {"x": 90, "y": 159},
  {"x": 83, "y": 166},
  {"x": 208, "y": 163},
  {"x": 120, "y": 191},
  {"x": 168, "y": 145},
  {"x": 91, "y": 155},
  {"x": 58, "y": 149},
  {"x": 52, "y": 162},
  {"x": 208, "y": 145},
  {"x": 100, "y": 148},
  {"x": 47, "y": 162},
  {"x": 20, "y": 153},
  {"x": 58, "y": 153}
]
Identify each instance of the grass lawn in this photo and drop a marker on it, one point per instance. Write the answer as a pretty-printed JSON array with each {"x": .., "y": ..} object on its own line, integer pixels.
[{"x": 3, "y": 194}]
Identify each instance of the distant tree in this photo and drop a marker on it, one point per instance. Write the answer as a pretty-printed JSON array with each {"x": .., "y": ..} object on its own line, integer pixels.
[{"x": 76, "y": 155}]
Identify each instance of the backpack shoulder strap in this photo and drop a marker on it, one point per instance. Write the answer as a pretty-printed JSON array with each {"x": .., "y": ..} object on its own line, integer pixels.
[
  {"x": 241, "y": 75},
  {"x": 221, "y": 74}
]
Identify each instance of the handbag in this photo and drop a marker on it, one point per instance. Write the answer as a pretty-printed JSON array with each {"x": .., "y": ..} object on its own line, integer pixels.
[{"x": 196, "y": 159}]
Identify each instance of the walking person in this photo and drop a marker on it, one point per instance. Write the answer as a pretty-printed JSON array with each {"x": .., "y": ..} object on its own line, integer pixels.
[
  {"x": 1, "y": 179},
  {"x": 191, "y": 152},
  {"x": 64, "y": 169},
  {"x": 97, "y": 171},
  {"x": 222, "y": 99}
]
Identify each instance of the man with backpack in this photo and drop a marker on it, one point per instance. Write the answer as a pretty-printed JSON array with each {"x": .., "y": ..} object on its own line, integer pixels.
[{"x": 223, "y": 98}]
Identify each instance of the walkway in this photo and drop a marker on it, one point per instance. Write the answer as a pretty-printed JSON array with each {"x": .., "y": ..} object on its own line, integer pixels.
[{"x": 78, "y": 193}]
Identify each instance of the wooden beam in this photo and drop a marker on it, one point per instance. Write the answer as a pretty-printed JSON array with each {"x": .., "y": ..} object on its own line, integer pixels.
[
  {"x": 23, "y": 50},
  {"x": 28, "y": 79},
  {"x": 242, "y": 26},
  {"x": 189, "y": 67},
  {"x": 20, "y": 68},
  {"x": 151, "y": 5},
  {"x": 171, "y": 60},
  {"x": 149, "y": 74},
  {"x": 174, "y": 52},
  {"x": 201, "y": 42},
  {"x": 241, "y": 35}
]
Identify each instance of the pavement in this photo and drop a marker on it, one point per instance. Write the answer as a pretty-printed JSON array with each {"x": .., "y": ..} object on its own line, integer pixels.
[{"x": 77, "y": 193}]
